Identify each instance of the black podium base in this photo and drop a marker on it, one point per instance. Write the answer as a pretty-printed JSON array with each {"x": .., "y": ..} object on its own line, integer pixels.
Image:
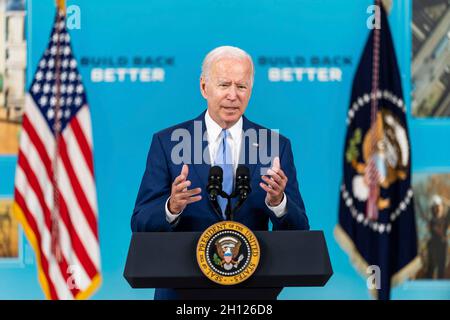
[{"x": 229, "y": 294}]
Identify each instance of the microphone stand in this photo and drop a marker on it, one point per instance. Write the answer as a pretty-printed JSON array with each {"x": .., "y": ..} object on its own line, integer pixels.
[{"x": 228, "y": 211}]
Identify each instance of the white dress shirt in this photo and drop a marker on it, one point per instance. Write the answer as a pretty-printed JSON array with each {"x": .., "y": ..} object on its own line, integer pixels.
[{"x": 234, "y": 139}]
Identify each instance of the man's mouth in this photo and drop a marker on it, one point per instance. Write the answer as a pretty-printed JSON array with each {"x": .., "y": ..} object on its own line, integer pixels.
[{"x": 230, "y": 108}]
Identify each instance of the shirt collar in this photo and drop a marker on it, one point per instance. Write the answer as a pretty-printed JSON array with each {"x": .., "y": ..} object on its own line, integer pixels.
[{"x": 214, "y": 130}]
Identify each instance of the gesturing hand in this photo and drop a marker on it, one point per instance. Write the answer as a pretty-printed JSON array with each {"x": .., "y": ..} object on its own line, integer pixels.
[
  {"x": 180, "y": 196},
  {"x": 275, "y": 185}
]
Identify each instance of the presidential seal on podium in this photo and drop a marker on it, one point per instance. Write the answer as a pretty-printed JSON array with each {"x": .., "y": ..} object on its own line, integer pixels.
[{"x": 228, "y": 253}]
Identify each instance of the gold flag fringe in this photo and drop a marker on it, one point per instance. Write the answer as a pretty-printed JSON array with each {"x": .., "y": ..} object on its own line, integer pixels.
[{"x": 361, "y": 265}]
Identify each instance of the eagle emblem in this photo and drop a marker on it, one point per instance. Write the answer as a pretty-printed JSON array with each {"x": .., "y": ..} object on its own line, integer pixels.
[
  {"x": 227, "y": 253},
  {"x": 385, "y": 156}
]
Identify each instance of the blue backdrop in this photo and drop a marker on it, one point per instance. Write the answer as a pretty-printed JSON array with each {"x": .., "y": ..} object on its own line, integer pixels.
[{"x": 311, "y": 112}]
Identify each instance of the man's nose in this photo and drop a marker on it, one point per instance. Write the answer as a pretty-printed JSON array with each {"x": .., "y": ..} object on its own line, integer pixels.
[{"x": 232, "y": 93}]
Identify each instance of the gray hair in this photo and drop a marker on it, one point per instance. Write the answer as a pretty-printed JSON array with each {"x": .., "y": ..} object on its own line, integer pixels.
[{"x": 225, "y": 52}]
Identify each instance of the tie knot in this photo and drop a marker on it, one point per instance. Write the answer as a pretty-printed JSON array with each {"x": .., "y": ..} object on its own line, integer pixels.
[{"x": 225, "y": 133}]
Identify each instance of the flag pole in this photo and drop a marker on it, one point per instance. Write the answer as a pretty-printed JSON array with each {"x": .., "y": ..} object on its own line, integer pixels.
[{"x": 55, "y": 217}]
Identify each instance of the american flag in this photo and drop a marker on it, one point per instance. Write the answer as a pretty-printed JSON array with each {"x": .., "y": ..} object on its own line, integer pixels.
[{"x": 55, "y": 193}]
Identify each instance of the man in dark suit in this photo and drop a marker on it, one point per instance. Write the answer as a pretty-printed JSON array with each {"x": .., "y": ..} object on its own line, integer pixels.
[{"x": 172, "y": 195}]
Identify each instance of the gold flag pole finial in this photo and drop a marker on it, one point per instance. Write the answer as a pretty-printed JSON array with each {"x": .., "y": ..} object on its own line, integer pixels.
[{"x": 61, "y": 4}]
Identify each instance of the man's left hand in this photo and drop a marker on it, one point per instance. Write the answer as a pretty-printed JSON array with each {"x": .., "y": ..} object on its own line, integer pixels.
[{"x": 275, "y": 185}]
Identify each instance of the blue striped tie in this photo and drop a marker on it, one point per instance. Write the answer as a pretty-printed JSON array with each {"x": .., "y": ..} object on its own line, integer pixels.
[{"x": 223, "y": 159}]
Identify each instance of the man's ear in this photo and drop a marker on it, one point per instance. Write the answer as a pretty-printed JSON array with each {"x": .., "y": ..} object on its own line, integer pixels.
[{"x": 203, "y": 87}]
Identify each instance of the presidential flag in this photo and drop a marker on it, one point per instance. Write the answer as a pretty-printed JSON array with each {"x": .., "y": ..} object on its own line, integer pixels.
[
  {"x": 55, "y": 193},
  {"x": 376, "y": 214}
]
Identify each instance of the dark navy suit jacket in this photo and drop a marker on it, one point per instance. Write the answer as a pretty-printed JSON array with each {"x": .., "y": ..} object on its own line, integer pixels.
[{"x": 149, "y": 213}]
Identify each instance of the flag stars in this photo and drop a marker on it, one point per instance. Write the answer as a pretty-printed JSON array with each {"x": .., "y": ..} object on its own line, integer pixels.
[
  {"x": 360, "y": 102},
  {"x": 65, "y": 63},
  {"x": 49, "y": 76},
  {"x": 39, "y": 76},
  {"x": 80, "y": 89},
  {"x": 70, "y": 89},
  {"x": 72, "y": 76},
  {"x": 78, "y": 101},
  {"x": 53, "y": 101},
  {"x": 46, "y": 88},
  {"x": 43, "y": 101},
  {"x": 66, "y": 50},
  {"x": 349, "y": 202},
  {"x": 36, "y": 88},
  {"x": 59, "y": 25},
  {"x": 53, "y": 50},
  {"x": 360, "y": 217},
  {"x": 351, "y": 113},
  {"x": 381, "y": 228},
  {"x": 56, "y": 88},
  {"x": 50, "y": 113},
  {"x": 394, "y": 99}
]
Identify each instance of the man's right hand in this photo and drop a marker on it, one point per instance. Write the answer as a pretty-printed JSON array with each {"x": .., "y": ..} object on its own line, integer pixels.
[{"x": 180, "y": 196}]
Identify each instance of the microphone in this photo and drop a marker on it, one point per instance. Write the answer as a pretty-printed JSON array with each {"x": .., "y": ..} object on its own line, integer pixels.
[
  {"x": 214, "y": 186},
  {"x": 243, "y": 188}
]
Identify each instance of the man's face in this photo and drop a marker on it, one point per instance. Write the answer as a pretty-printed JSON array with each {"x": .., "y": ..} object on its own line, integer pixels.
[
  {"x": 438, "y": 210},
  {"x": 227, "y": 90}
]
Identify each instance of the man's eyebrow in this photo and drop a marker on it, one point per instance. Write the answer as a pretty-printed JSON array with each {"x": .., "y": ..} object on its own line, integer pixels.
[{"x": 223, "y": 81}]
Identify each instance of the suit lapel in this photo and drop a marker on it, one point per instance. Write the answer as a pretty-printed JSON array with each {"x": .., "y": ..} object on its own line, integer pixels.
[
  {"x": 199, "y": 149},
  {"x": 197, "y": 130},
  {"x": 249, "y": 149}
]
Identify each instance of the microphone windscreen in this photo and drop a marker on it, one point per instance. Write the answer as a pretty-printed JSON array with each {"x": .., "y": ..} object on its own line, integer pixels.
[
  {"x": 216, "y": 171},
  {"x": 242, "y": 171}
]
